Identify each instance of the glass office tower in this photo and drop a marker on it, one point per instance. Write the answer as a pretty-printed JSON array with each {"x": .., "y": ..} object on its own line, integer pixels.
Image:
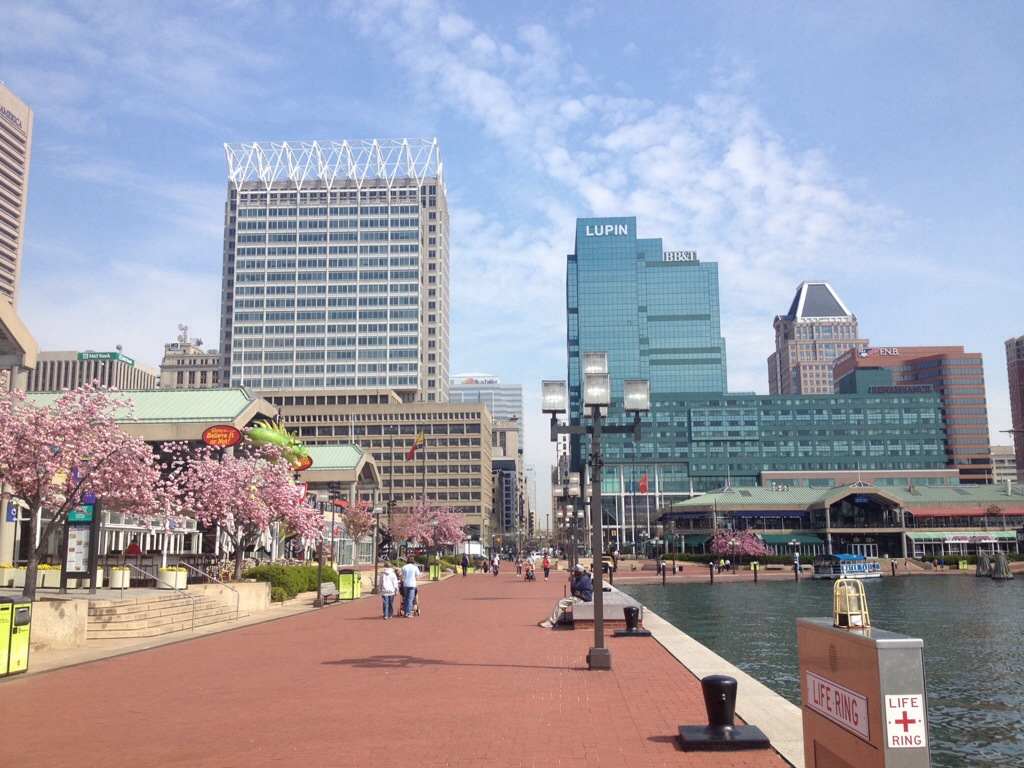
[{"x": 656, "y": 314}]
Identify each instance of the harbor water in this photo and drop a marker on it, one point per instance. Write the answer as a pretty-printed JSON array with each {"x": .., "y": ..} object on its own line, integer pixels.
[{"x": 971, "y": 628}]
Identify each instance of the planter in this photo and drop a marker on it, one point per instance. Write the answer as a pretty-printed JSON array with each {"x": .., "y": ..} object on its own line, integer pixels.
[
  {"x": 119, "y": 579},
  {"x": 171, "y": 580},
  {"x": 8, "y": 575},
  {"x": 80, "y": 583},
  {"x": 49, "y": 578},
  {"x": 19, "y": 578}
]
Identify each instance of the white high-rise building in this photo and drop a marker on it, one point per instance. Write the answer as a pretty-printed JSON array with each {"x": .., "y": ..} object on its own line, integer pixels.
[
  {"x": 504, "y": 400},
  {"x": 336, "y": 268}
]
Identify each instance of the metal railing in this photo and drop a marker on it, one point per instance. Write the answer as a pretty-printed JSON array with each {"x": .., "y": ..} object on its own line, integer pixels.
[
  {"x": 238, "y": 595},
  {"x": 149, "y": 575}
]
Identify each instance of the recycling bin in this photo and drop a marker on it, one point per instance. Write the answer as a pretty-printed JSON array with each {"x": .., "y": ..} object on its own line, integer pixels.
[
  {"x": 435, "y": 571},
  {"x": 350, "y": 585},
  {"x": 15, "y": 632}
]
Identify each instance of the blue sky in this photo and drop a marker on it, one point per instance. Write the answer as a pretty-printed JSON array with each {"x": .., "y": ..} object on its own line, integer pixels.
[{"x": 875, "y": 145}]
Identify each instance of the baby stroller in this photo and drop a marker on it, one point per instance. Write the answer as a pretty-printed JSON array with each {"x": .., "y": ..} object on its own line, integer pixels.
[{"x": 530, "y": 574}]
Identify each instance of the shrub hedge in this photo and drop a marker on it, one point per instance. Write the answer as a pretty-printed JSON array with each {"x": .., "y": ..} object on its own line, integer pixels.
[{"x": 291, "y": 578}]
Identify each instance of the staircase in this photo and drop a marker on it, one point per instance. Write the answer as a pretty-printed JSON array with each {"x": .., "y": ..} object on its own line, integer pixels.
[{"x": 153, "y": 615}]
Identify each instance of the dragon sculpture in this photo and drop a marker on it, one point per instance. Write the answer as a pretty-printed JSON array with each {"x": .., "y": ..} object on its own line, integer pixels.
[{"x": 271, "y": 433}]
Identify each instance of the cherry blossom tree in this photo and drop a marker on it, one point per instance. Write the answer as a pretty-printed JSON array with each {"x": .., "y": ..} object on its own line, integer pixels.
[
  {"x": 732, "y": 543},
  {"x": 245, "y": 495},
  {"x": 358, "y": 521},
  {"x": 437, "y": 527},
  {"x": 55, "y": 454}
]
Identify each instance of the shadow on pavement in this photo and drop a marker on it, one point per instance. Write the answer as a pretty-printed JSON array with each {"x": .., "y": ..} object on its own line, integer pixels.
[{"x": 402, "y": 662}]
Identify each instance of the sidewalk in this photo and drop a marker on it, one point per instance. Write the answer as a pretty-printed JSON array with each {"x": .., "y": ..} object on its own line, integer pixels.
[{"x": 471, "y": 682}]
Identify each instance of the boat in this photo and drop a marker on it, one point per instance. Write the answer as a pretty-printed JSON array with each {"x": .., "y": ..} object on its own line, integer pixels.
[{"x": 845, "y": 567}]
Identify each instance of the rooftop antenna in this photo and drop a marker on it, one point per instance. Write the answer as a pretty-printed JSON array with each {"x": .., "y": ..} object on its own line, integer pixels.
[{"x": 183, "y": 338}]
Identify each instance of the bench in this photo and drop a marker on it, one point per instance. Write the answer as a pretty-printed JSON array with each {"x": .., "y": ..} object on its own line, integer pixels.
[
  {"x": 582, "y": 614},
  {"x": 329, "y": 592}
]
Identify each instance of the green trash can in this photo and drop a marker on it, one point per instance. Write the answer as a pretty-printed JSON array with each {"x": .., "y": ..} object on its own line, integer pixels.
[
  {"x": 349, "y": 584},
  {"x": 15, "y": 632},
  {"x": 435, "y": 571},
  {"x": 963, "y": 565}
]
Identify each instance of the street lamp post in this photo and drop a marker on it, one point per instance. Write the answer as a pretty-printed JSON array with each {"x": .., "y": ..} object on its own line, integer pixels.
[{"x": 596, "y": 398}]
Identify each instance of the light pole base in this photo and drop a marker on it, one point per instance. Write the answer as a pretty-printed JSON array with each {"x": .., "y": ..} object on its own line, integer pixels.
[{"x": 599, "y": 658}]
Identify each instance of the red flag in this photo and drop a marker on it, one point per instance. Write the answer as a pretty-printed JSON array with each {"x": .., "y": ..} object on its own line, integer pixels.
[
  {"x": 643, "y": 483},
  {"x": 416, "y": 444}
]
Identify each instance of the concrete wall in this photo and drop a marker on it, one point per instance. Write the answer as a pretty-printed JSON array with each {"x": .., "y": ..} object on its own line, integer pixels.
[
  {"x": 255, "y": 595},
  {"x": 59, "y": 624}
]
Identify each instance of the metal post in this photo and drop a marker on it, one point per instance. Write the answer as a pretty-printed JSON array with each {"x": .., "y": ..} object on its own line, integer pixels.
[
  {"x": 319, "y": 602},
  {"x": 376, "y": 557},
  {"x": 599, "y": 657}
]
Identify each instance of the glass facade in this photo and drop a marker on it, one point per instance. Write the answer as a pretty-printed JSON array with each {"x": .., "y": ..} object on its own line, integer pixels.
[{"x": 656, "y": 314}]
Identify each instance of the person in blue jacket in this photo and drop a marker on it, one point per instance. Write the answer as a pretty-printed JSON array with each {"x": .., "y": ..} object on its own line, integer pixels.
[{"x": 582, "y": 589}]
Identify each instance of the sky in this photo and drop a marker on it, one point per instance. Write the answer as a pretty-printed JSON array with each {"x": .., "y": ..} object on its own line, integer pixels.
[{"x": 876, "y": 145}]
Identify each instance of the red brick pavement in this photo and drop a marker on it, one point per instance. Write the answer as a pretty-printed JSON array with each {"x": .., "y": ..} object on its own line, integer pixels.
[{"x": 471, "y": 682}]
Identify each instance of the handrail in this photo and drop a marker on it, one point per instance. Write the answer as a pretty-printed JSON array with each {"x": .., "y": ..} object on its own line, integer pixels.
[
  {"x": 238, "y": 595},
  {"x": 148, "y": 575}
]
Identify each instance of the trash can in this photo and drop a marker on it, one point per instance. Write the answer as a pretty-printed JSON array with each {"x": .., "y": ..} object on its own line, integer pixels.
[
  {"x": 435, "y": 571},
  {"x": 963, "y": 565},
  {"x": 350, "y": 585},
  {"x": 15, "y": 631}
]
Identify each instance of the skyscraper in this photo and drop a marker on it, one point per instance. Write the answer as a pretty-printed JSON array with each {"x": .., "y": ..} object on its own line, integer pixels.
[
  {"x": 15, "y": 152},
  {"x": 336, "y": 268},
  {"x": 817, "y": 329},
  {"x": 654, "y": 312},
  {"x": 958, "y": 377},
  {"x": 1015, "y": 374},
  {"x": 504, "y": 400}
]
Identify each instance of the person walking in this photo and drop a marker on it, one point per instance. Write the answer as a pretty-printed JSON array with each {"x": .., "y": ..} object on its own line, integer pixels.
[
  {"x": 546, "y": 565},
  {"x": 496, "y": 564},
  {"x": 410, "y": 571},
  {"x": 519, "y": 566},
  {"x": 388, "y": 588},
  {"x": 465, "y": 564},
  {"x": 582, "y": 589}
]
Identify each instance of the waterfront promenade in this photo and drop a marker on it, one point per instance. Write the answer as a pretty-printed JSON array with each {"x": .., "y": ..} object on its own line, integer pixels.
[{"x": 471, "y": 682}]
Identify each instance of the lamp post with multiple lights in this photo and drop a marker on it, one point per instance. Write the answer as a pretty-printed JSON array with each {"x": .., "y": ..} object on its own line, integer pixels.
[{"x": 597, "y": 394}]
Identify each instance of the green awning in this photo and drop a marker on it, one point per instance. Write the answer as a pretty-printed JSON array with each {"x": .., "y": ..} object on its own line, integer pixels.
[
  {"x": 695, "y": 541},
  {"x": 964, "y": 536},
  {"x": 785, "y": 538}
]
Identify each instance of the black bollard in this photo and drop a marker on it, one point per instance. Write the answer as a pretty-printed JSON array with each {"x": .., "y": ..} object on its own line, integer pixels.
[
  {"x": 664, "y": 572},
  {"x": 631, "y": 613},
  {"x": 721, "y": 733},
  {"x": 711, "y": 571},
  {"x": 754, "y": 567}
]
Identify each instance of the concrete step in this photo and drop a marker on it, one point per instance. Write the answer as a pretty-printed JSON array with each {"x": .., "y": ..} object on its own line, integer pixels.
[{"x": 153, "y": 615}]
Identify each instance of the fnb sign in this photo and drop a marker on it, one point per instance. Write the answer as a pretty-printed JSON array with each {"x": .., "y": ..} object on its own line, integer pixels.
[
  {"x": 600, "y": 230},
  {"x": 881, "y": 351}
]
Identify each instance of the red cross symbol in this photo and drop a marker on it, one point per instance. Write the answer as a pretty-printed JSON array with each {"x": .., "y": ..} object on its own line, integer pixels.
[{"x": 906, "y": 722}]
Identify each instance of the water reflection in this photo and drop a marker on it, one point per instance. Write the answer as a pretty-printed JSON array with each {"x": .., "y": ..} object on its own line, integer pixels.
[{"x": 974, "y": 650}]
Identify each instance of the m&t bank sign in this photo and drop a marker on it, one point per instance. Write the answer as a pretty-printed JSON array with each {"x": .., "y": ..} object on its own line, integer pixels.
[{"x": 600, "y": 230}]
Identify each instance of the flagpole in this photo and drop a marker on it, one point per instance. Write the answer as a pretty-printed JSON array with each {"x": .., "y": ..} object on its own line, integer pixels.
[{"x": 424, "y": 447}]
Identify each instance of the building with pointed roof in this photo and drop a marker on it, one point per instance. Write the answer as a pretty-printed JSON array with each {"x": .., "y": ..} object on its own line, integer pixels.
[{"x": 817, "y": 329}]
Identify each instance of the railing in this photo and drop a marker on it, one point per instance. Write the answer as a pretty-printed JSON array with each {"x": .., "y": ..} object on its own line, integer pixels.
[
  {"x": 238, "y": 595},
  {"x": 148, "y": 575}
]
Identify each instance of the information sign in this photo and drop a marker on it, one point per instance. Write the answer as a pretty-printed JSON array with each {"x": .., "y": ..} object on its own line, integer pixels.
[
  {"x": 82, "y": 514},
  {"x": 79, "y": 542},
  {"x": 905, "y": 722},
  {"x": 847, "y": 709}
]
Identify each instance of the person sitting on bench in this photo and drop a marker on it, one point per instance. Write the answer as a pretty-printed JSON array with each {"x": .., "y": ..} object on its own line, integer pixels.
[{"x": 582, "y": 589}]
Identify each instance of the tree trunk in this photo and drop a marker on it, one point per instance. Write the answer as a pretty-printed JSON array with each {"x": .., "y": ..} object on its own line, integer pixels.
[
  {"x": 31, "y": 574},
  {"x": 239, "y": 557}
]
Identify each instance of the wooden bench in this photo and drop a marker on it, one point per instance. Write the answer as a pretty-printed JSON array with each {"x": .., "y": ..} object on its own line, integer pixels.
[
  {"x": 582, "y": 614},
  {"x": 329, "y": 592}
]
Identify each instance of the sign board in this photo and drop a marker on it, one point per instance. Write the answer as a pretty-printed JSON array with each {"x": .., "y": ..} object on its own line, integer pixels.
[
  {"x": 847, "y": 709},
  {"x": 79, "y": 543},
  {"x": 12, "y": 512},
  {"x": 221, "y": 436},
  {"x": 82, "y": 514},
  {"x": 905, "y": 721},
  {"x": 106, "y": 356}
]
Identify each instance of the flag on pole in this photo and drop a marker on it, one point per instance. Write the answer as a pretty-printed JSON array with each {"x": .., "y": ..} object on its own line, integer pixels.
[
  {"x": 416, "y": 445},
  {"x": 643, "y": 483}
]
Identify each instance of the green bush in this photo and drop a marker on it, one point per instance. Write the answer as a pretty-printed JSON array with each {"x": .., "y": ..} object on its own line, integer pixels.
[
  {"x": 278, "y": 594},
  {"x": 292, "y": 579}
]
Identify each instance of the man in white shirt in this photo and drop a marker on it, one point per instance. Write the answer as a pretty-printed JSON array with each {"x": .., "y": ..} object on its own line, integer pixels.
[{"x": 409, "y": 573}]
